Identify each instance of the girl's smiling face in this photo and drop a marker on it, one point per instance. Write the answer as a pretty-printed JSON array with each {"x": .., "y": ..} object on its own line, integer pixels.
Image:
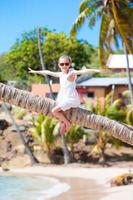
[{"x": 64, "y": 64}]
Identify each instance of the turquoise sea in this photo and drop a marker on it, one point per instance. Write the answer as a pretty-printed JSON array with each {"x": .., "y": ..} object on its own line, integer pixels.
[{"x": 30, "y": 187}]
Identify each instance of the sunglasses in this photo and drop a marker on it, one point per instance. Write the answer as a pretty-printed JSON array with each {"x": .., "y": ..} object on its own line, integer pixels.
[{"x": 66, "y": 64}]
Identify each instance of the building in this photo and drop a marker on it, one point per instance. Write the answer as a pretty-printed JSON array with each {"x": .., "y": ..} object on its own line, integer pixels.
[
  {"x": 98, "y": 88},
  {"x": 118, "y": 63},
  {"x": 43, "y": 89}
]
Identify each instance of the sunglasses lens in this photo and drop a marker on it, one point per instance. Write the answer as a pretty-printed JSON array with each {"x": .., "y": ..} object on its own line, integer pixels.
[{"x": 62, "y": 64}]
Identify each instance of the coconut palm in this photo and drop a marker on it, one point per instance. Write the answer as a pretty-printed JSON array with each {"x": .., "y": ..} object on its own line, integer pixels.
[
  {"x": 74, "y": 135},
  {"x": 122, "y": 109},
  {"x": 102, "y": 137},
  {"x": 116, "y": 22},
  {"x": 45, "y": 131},
  {"x": 79, "y": 116}
]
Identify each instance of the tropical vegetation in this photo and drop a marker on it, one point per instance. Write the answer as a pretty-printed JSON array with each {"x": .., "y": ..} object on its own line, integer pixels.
[{"x": 24, "y": 53}]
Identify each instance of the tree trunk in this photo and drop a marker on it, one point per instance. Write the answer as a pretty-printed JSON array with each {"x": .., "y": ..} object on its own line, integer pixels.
[
  {"x": 79, "y": 116},
  {"x": 43, "y": 64},
  {"x": 129, "y": 76},
  {"x": 67, "y": 158},
  {"x": 27, "y": 149}
]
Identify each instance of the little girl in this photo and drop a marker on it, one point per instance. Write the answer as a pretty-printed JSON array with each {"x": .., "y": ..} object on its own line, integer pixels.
[{"x": 67, "y": 97}]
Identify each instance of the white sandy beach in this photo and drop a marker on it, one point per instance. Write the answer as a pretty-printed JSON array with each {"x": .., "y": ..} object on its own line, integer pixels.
[{"x": 100, "y": 176}]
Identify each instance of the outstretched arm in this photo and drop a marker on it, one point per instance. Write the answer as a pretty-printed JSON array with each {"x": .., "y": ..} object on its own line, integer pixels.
[
  {"x": 45, "y": 72},
  {"x": 86, "y": 71},
  {"x": 72, "y": 76}
]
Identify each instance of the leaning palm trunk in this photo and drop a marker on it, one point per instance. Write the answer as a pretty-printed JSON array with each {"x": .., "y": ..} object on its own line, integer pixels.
[{"x": 79, "y": 116}]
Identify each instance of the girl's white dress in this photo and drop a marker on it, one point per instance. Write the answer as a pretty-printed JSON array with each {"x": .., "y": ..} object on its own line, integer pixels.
[{"x": 67, "y": 97}]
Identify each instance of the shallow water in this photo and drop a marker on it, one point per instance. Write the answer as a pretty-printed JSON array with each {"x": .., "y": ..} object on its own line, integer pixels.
[{"x": 30, "y": 187}]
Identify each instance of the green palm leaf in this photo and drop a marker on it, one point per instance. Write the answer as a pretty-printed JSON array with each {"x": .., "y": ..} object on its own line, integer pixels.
[
  {"x": 103, "y": 36},
  {"x": 118, "y": 24},
  {"x": 87, "y": 3},
  {"x": 81, "y": 18},
  {"x": 94, "y": 17},
  {"x": 123, "y": 15}
]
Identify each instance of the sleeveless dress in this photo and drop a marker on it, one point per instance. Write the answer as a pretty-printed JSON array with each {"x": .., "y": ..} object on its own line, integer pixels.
[{"x": 67, "y": 97}]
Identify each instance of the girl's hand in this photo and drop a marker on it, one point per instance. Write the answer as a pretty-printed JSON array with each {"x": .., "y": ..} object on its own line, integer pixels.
[
  {"x": 31, "y": 70},
  {"x": 83, "y": 68},
  {"x": 97, "y": 70},
  {"x": 72, "y": 76}
]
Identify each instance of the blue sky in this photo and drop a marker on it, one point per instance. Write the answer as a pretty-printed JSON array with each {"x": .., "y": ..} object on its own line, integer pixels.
[{"x": 18, "y": 16}]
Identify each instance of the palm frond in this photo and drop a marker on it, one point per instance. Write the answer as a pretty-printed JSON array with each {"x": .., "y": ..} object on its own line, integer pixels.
[
  {"x": 77, "y": 25},
  {"x": 123, "y": 16},
  {"x": 87, "y": 3},
  {"x": 103, "y": 35},
  {"x": 81, "y": 19},
  {"x": 94, "y": 17}
]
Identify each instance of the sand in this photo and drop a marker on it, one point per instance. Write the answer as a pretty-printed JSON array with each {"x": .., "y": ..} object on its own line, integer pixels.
[
  {"x": 81, "y": 189},
  {"x": 85, "y": 183}
]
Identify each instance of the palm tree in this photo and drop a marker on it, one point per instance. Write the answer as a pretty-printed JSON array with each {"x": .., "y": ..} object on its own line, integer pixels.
[
  {"x": 116, "y": 22},
  {"x": 102, "y": 138},
  {"x": 45, "y": 130},
  {"x": 79, "y": 116}
]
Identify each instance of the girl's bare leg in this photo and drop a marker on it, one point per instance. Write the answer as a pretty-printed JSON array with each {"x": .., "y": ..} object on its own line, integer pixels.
[
  {"x": 62, "y": 128},
  {"x": 57, "y": 112}
]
